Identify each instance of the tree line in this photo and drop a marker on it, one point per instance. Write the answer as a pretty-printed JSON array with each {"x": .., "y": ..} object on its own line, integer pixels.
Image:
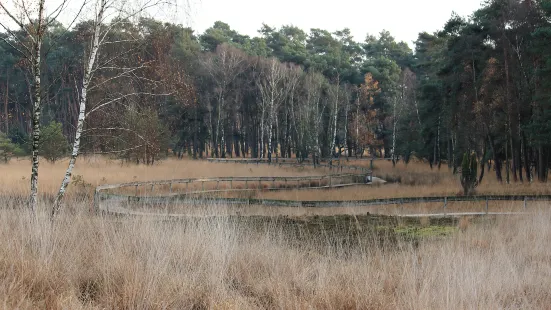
[{"x": 136, "y": 88}]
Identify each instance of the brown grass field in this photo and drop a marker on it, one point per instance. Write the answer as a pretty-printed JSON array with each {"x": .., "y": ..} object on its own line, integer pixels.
[
  {"x": 274, "y": 258},
  {"x": 416, "y": 179},
  {"x": 94, "y": 170},
  {"x": 86, "y": 262}
]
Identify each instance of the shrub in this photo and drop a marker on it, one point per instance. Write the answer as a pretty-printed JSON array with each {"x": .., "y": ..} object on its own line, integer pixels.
[
  {"x": 8, "y": 149},
  {"x": 19, "y": 138},
  {"x": 53, "y": 144}
]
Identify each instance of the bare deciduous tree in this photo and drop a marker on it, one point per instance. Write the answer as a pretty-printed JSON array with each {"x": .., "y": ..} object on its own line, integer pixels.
[
  {"x": 272, "y": 91},
  {"x": 107, "y": 16}
]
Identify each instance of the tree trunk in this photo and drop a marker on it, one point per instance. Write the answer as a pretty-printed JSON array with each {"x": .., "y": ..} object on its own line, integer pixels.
[
  {"x": 82, "y": 109},
  {"x": 507, "y": 162},
  {"x": 37, "y": 106},
  {"x": 541, "y": 165},
  {"x": 527, "y": 166},
  {"x": 6, "y": 118},
  {"x": 335, "y": 114},
  {"x": 393, "y": 150},
  {"x": 513, "y": 160}
]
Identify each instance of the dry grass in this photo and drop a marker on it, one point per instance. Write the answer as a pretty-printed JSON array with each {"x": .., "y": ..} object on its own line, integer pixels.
[
  {"x": 413, "y": 180},
  {"x": 85, "y": 262},
  {"x": 96, "y": 170},
  {"x": 416, "y": 179}
]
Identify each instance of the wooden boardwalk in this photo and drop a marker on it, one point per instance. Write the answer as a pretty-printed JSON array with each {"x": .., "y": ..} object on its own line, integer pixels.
[{"x": 107, "y": 201}]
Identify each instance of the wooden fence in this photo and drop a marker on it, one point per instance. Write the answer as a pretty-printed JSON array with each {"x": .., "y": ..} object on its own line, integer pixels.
[{"x": 104, "y": 197}]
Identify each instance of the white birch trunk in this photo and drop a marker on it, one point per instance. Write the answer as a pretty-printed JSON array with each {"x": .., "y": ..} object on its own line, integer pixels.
[
  {"x": 82, "y": 107},
  {"x": 37, "y": 105},
  {"x": 335, "y": 113},
  {"x": 262, "y": 134}
]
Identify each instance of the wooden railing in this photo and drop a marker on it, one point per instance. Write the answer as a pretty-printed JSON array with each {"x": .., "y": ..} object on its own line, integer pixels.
[
  {"x": 324, "y": 204},
  {"x": 103, "y": 194}
]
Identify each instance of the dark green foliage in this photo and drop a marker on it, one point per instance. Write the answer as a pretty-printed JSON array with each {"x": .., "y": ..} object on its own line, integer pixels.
[
  {"x": 20, "y": 138},
  {"x": 8, "y": 149},
  {"x": 53, "y": 144}
]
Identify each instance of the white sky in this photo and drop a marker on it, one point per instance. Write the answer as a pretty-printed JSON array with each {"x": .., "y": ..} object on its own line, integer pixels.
[{"x": 403, "y": 18}]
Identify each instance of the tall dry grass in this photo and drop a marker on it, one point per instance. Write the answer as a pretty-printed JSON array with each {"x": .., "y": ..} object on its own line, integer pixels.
[
  {"x": 412, "y": 180},
  {"x": 85, "y": 262},
  {"x": 91, "y": 171}
]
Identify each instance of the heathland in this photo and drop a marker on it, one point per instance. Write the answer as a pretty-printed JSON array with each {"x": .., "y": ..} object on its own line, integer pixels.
[{"x": 340, "y": 259}]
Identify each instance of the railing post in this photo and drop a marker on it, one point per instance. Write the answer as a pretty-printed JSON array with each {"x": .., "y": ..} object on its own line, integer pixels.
[
  {"x": 524, "y": 203},
  {"x": 217, "y": 184},
  {"x": 486, "y": 205},
  {"x": 136, "y": 190},
  {"x": 187, "y": 187},
  {"x": 231, "y": 184},
  {"x": 246, "y": 184},
  {"x": 273, "y": 183},
  {"x": 330, "y": 181},
  {"x": 152, "y": 189},
  {"x": 445, "y": 204},
  {"x": 170, "y": 189},
  {"x": 96, "y": 202},
  {"x": 203, "y": 185}
]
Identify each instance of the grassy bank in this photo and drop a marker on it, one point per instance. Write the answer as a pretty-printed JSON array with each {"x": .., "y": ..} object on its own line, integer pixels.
[{"x": 86, "y": 262}]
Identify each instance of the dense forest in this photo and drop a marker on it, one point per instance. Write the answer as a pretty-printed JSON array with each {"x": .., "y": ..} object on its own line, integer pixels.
[{"x": 480, "y": 84}]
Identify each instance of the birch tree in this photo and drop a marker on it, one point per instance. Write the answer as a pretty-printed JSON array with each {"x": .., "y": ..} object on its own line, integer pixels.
[
  {"x": 223, "y": 67},
  {"x": 272, "y": 92},
  {"x": 315, "y": 106},
  {"x": 32, "y": 20},
  {"x": 107, "y": 16},
  {"x": 335, "y": 94}
]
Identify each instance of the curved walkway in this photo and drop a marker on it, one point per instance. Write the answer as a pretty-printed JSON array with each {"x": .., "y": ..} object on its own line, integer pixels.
[{"x": 111, "y": 203}]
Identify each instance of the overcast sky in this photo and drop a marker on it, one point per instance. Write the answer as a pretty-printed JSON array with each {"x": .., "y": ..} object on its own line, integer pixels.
[{"x": 403, "y": 18}]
